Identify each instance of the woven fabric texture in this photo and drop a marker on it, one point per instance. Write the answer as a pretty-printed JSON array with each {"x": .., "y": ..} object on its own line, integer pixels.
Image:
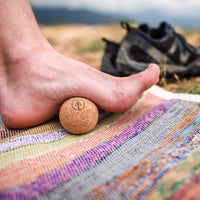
[{"x": 152, "y": 151}]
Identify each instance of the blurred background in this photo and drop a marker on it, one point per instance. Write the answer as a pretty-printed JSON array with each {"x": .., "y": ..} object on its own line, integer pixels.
[
  {"x": 184, "y": 13},
  {"x": 75, "y": 28}
]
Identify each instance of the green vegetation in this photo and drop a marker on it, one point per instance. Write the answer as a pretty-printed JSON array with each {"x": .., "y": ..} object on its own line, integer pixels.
[
  {"x": 95, "y": 46},
  {"x": 178, "y": 85},
  {"x": 190, "y": 87}
]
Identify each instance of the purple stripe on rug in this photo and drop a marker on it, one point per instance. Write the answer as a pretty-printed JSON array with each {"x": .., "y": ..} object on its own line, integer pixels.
[
  {"x": 33, "y": 139},
  {"x": 55, "y": 177},
  {"x": 40, "y": 138}
]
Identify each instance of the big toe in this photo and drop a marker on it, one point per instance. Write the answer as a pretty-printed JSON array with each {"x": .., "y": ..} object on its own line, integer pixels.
[{"x": 130, "y": 89}]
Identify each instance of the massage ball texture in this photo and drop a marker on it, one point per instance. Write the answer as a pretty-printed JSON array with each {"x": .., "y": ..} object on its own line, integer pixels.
[{"x": 78, "y": 115}]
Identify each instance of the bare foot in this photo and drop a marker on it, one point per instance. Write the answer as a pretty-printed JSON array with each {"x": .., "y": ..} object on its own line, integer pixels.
[{"x": 35, "y": 83}]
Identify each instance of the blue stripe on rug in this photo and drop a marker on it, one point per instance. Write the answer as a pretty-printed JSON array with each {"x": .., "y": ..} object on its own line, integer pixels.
[{"x": 1, "y": 120}]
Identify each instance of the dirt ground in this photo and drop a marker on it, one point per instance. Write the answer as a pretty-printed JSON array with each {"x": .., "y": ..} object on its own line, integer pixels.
[{"x": 84, "y": 43}]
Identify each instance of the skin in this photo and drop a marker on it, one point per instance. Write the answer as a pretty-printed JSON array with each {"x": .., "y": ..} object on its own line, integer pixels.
[{"x": 35, "y": 79}]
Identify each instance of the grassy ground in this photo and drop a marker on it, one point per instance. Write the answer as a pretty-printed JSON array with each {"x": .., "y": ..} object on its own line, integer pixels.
[{"x": 84, "y": 43}]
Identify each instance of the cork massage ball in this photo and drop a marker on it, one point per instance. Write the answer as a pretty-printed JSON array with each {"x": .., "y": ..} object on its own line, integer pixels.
[{"x": 78, "y": 115}]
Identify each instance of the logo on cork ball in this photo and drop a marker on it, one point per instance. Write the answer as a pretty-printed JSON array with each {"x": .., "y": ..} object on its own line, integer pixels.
[{"x": 78, "y": 105}]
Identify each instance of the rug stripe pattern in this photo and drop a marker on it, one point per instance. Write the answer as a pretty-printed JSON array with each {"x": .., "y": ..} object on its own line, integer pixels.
[{"x": 151, "y": 151}]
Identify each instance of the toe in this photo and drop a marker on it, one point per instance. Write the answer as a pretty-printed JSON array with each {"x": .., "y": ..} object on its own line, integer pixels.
[{"x": 144, "y": 80}]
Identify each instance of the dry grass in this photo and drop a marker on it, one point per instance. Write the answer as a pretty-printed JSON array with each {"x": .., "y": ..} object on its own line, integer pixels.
[{"x": 83, "y": 42}]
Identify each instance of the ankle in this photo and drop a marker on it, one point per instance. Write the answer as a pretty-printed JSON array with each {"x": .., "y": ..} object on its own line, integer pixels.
[{"x": 20, "y": 54}]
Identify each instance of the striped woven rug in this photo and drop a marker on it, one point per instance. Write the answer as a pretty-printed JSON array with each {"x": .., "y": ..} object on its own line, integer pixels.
[{"x": 152, "y": 151}]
